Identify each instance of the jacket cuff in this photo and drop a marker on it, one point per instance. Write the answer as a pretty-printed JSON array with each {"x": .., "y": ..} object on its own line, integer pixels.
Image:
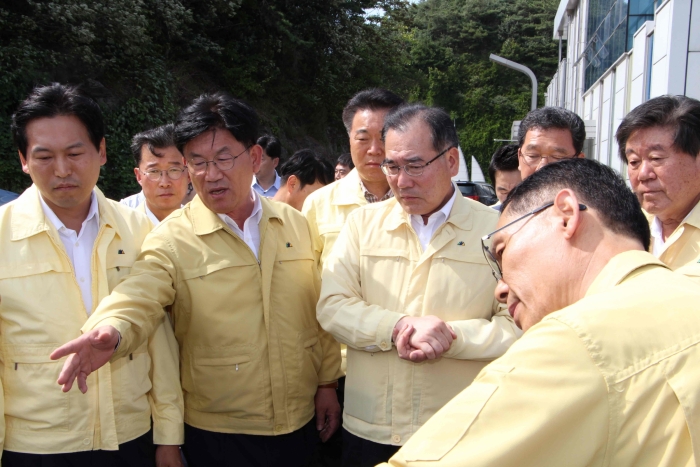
[
  {"x": 168, "y": 433},
  {"x": 385, "y": 330}
]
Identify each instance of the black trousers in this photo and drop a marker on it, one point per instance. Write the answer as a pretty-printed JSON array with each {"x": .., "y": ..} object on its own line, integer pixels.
[
  {"x": 360, "y": 452},
  {"x": 207, "y": 448},
  {"x": 140, "y": 452}
]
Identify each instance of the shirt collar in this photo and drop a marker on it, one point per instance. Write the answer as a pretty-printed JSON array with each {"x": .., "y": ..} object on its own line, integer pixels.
[
  {"x": 276, "y": 184},
  {"x": 438, "y": 216},
  {"x": 256, "y": 215},
  {"x": 349, "y": 191},
  {"x": 93, "y": 213},
  {"x": 658, "y": 245},
  {"x": 371, "y": 198},
  {"x": 460, "y": 213}
]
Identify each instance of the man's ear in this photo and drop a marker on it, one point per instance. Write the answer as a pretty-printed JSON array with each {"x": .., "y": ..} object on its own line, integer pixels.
[
  {"x": 256, "y": 156},
  {"x": 292, "y": 183},
  {"x": 453, "y": 161},
  {"x": 102, "y": 150},
  {"x": 581, "y": 155},
  {"x": 567, "y": 211},
  {"x": 23, "y": 160},
  {"x": 139, "y": 177},
  {"x": 275, "y": 162}
]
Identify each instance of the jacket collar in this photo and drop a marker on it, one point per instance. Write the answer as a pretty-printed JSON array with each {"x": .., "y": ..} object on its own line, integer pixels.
[
  {"x": 460, "y": 216},
  {"x": 28, "y": 217},
  {"x": 620, "y": 267},
  {"x": 206, "y": 221},
  {"x": 349, "y": 191}
]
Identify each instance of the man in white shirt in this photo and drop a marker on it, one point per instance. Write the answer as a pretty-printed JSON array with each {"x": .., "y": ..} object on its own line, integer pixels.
[
  {"x": 413, "y": 264},
  {"x": 660, "y": 142},
  {"x": 266, "y": 180},
  {"x": 161, "y": 172}
]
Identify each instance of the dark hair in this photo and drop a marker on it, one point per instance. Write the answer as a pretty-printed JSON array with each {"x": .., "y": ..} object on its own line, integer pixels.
[
  {"x": 212, "y": 111},
  {"x": 442, "y": 130},
  {"x": 369, "y": 99},
  {"x": 505, "y": 159},
  {"x": 680, "y": 114},
  {"x": 57, "y": 100},
  {"x": 546, "y": 118},
  {"x": 308, "y": 168},
  {"x": 597, "y": 186},
  {"x": 271, "y": 146},
  {"x": 161, "y": 137},
  {"x": 346, "y": 160}
]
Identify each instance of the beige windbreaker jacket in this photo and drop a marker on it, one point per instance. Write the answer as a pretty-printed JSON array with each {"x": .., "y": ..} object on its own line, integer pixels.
[
  {"x": 252, "y": 353},
  {"x": 611, "y": 380},
  {"x": 41, "y": 308},
  {"x": 378, "y": 273}
]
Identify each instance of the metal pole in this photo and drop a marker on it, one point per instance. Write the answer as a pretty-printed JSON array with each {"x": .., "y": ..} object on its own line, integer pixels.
[{"x": 523, "y": 69}]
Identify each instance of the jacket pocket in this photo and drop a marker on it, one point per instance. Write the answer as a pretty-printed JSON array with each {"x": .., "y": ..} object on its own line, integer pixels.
[
  {"x": 310, "y": 355},
  {"x": 33, "y": 401},
  {"x": 228, "y": 380},
  {"x": 133, "y": 381},
  {"x": 367, "y": 386}
]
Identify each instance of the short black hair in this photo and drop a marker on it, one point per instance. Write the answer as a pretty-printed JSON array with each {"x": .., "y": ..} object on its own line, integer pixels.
[
  {"x": 156, "y": 138},
  {"x": 271, "y": 146},
  {"x": 57, "y": 100},
  {"x": 308, "y": 167},
  {"x": 369, "y": 99},
  {"x": 505, "y": 159},
  {"x": 346, "y": 160},
  {"x": 546, "y": 118},
  {"x": 597, "y": 186},
  {"x": 680, "y": 114},
  {"x": 217, "y": 111},
  {"x": 442, "y": 130}
]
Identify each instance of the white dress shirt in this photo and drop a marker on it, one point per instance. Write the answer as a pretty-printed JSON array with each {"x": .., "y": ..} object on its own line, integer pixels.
[
  {"x": 251, "y": 227},
  {"x": 134, "y": 201},
  {"x": 79, "y": 246},
  {"x": 426, "y": 231}
]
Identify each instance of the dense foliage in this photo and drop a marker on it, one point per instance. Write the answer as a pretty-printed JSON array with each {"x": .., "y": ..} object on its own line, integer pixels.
[{"x": 297, "y": 62}]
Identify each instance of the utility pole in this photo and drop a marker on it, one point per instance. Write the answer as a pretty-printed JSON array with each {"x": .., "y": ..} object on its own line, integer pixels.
[{"x": 523, "y": 69}]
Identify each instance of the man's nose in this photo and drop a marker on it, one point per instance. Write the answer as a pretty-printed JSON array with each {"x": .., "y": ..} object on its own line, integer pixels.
[
  {"x": 646, "y": 171},
  {"x": 501, "y": 292}
]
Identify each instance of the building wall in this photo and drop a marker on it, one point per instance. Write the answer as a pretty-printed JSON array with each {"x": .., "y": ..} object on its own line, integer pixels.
[{"x": 665, "y": 59}]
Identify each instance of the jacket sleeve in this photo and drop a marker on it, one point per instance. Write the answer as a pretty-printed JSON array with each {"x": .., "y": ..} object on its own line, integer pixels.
[
  {"x": 165, "y": 397},
  {"x": 483, "y": 339},
  {"x": 543, "y": 404},
  {"x": 341, "y": 309},
  {"x": 135, "y": 306}
]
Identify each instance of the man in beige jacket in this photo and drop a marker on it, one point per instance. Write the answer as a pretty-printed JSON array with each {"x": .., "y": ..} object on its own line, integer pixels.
[
  {"x": 606, "y": 373},
  {"x": 660, "y": 142},
  {"x": 413, "y": 260},
  {"x": 238, "y": 270}
]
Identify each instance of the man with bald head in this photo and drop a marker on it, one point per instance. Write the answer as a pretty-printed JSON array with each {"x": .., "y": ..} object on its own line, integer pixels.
[
  {"x": 606, "y": 372},
  {"x": 412, "y": 262}
]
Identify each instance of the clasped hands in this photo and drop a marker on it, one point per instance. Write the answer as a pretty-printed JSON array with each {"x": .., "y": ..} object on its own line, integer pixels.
[{"x": 422, "y": 338}]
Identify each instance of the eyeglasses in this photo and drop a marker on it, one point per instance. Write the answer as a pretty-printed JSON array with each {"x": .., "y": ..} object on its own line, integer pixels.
[
  {"x": 533, "y": 160},
  {"x": 490, "y": 255},
  {"x": 413, "y": 169},
  {"x": 154, "y": 175},
  {"x": 199, "y": 165}
]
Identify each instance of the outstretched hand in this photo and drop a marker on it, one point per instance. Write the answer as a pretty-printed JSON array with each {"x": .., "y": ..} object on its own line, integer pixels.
[{"x": 85, "y": 354}]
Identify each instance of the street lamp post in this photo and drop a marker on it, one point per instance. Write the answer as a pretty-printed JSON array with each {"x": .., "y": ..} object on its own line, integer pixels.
[{"x": 523, "y": 69}]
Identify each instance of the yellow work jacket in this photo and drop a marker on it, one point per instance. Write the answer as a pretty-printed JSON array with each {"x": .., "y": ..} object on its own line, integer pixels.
[
  {"x": 377, "y": 274},
  {"x": 41, "y": 308},
  {"x": 611, "y": 380},
  {"x": 683, "y": 245},
  {"x": 251, "y": 351},
  {"x": 328, "y": 208}
]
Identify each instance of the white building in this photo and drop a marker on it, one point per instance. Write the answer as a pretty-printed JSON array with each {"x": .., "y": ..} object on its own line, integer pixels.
[{"x": 619, "y": 54}]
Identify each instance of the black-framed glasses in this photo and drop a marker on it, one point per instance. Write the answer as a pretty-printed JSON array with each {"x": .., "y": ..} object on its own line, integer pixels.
[
  {"x": 533, "y": 160},
  {"x": 490, "y": 255},
  {"x": 199, "y": 165},
  {"x": 413, "y": 169},
  {"x": 154, "y": 175}
]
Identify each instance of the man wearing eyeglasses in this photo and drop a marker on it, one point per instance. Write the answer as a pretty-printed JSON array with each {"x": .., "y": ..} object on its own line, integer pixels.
[
  {"x": 258, "y": 373},
  {"x": 414, "y": 265},
  {"x": 161, "y": 172},
  {"x": 606, "y": 372},
  {"x": 546, "y": 135}
]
